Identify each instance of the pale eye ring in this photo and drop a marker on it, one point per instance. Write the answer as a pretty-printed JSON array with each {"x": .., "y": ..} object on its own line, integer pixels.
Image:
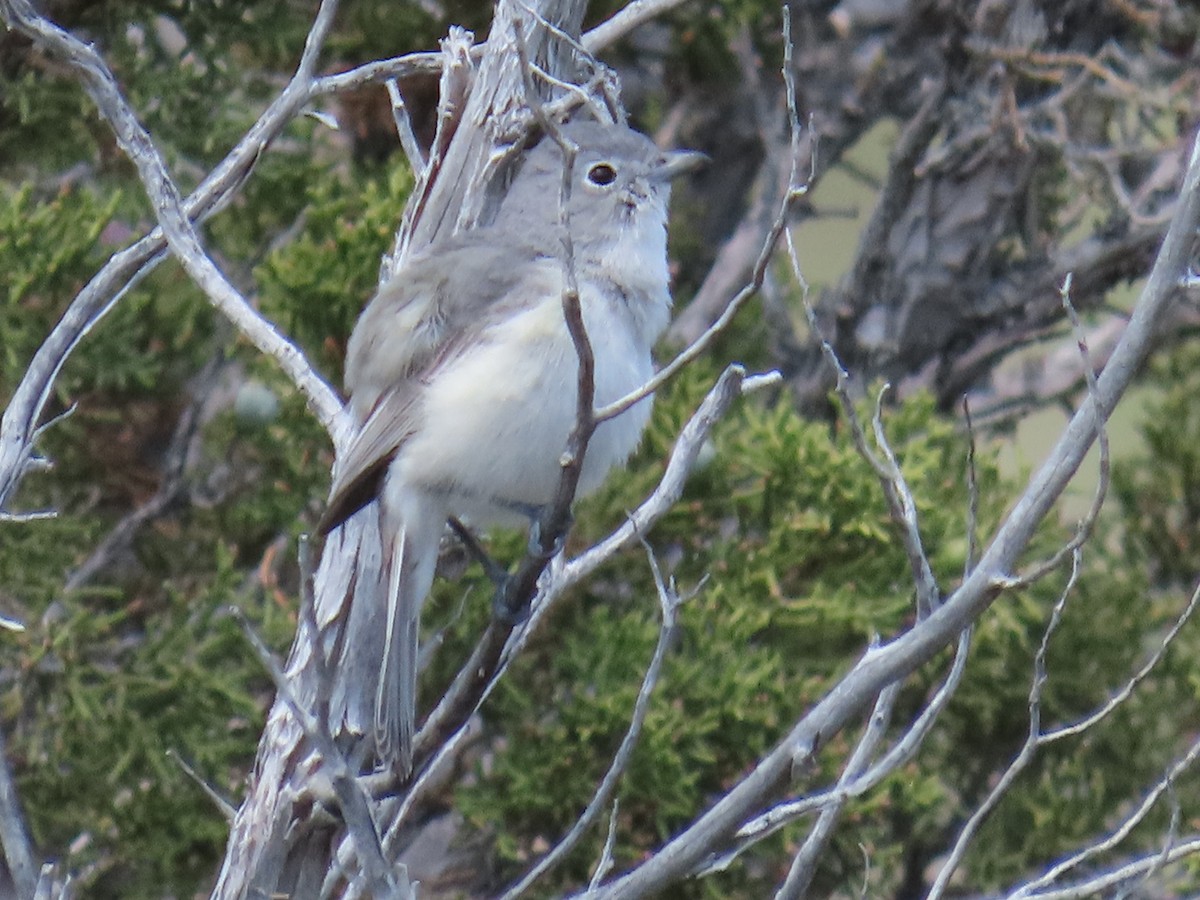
[{"x": 602, "y": 174}]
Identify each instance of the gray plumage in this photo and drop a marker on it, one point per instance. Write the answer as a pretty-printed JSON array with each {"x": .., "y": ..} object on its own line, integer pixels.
[{"x": 462, "y": 376}]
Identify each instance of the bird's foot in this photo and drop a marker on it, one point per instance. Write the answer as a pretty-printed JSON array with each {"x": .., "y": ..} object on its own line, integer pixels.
[
  {"x": 496, "y": 573},
  {"x": 504, "y": 611},
  {"x": 537, "y": 547}
]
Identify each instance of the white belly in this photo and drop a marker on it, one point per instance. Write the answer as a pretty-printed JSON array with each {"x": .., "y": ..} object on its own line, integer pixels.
[{"x": 510, "y": 403}]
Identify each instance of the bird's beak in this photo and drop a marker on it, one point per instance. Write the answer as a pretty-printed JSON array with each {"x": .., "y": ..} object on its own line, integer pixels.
[{"x": 678, "y": 162}]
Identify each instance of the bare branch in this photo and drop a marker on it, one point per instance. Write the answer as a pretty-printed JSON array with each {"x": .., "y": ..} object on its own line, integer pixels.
[
  {"x": 1097, "y": 884},
  {"x": 125, "y": 269},
  {"x": 53, "y": 886},
  {"x": 1036, "y": 887},
  {"x": 383, "y": 70},
  {"x": 669, "y": 602},
  {"x": 732, "y": 383},
  {"x": 404, "y": 127},
  {"x": 628, "y": 18},
  {"x": 101, "y": 86},
  {"x": 1086, "y": 525},
  {"x": 555, "y": 520},
  {"x": 33, "y": 515},
  {"x": 1028, "y": 749},
  {"x": 1130, "y": 686},
  {"x": 804, "y": 865},
  {"x": 314, "y": 41},
  {"x": 904, "y": 512},
  {"x": 900, "y": 754},
  {"x": 224, "y": 807},
  {"x": 1168, "y": 842},
  {"x": 906, "y": 748},
  {"x": 379, "y": 71},
  {"x": 14, "y": 835},
  {"x": 456, "y": 68},
  {"x": 605, "y": 863},
  {"x": 901, "y": 505},
  {"x": 972, "y": 492}
]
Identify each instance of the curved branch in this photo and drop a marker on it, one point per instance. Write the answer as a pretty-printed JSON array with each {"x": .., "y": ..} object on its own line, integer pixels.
[
  {"x": 173, "y": 218},
  {"x": 125, "y": 269}
]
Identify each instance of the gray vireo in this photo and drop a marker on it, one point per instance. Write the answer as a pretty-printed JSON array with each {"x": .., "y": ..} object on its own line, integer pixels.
[{"x": 462, "y": 374}]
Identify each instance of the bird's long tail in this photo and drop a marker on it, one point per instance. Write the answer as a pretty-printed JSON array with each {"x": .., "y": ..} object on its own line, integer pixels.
[{"x": 411, "y": 564}]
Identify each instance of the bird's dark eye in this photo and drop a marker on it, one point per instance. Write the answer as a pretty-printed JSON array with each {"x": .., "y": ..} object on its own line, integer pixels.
[{"x": 602, "y": 174}]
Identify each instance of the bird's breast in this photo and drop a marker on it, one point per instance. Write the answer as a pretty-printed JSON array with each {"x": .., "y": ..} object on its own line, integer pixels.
[{"x": 495, "y": 420}]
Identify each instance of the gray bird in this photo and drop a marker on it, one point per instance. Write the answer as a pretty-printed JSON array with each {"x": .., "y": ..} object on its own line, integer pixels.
[{"x": 462, "y": 374}]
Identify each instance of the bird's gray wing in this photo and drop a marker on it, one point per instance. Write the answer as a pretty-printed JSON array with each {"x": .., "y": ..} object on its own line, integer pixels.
[
  {"x": 440, "y": 293},
  {"x": 423, "y": 316},
  {"x": 358, "y": 475}
]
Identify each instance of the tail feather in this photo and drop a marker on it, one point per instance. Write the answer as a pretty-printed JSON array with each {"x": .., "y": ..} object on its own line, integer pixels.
[
  {"x": 396, "y": 689},
  {"x": 356, "y": 664},
  {"x": 411, "y": 565}
]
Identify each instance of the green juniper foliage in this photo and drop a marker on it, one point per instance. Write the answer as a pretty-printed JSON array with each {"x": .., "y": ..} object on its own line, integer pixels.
[
  {"x": 108, "y": 688},
  {"x": 783, "y": 519},
  {"x": 1161, "y": 496}
]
